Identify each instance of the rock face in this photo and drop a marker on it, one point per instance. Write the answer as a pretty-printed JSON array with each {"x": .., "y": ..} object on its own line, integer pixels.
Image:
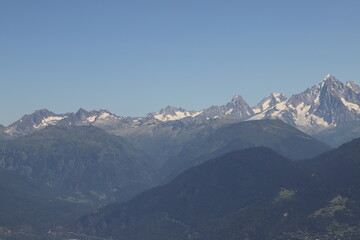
[{"x": 269, "y": 102}]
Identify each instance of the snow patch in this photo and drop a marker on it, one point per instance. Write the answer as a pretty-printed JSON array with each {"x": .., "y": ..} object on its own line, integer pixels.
[
  {"x": 178, "y": 115},
  {"x": 229, "y": 111},
  {"x": 49, "y": 121},
  {"x": 91, "y": 119},
  {"x": 104, "y": 115},
  {"x": 302, "y": 114},
  {"x": 256, "y": 110},
  {"x": 351, "y": 106},
  {"x": 266, "y": 104}
]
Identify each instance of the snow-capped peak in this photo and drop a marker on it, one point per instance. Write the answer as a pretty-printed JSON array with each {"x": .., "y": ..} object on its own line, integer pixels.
[
  {"x": 170, "y": 110},
  {"x": 171, "y": 113},
  {"x": 269, "y": 101},
  {"x": 329, "y": 76},
  {"x": 322, "y": 106},
  {"x": 330, "y": 79},
  {"x": 353, "y": 86}
]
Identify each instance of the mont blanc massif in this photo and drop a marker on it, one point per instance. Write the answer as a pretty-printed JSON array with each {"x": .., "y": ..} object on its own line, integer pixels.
[{"x": 287, "y": 168}]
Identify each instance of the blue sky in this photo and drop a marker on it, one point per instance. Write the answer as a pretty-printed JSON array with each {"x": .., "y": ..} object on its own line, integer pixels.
[{"x": 135, "y": 57}]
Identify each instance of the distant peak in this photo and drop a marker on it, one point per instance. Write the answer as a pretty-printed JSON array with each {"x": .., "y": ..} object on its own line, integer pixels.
[
  {"x": 168, "y": 107},
  {"x": 353, "y": 86},
  {"x": 276, "y": 95},
  {"x": 81, "y": 111},
  {"x": 237, "y": 98},
  {"x": 43, "y": 111},
  {"x": 331, "y": 81},
  {"x": 171, "y": 110},
  {"x": 330, "y": 78}
]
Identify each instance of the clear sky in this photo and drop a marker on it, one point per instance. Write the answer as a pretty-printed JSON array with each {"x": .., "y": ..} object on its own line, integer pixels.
[{"x": 134, "y": 57}]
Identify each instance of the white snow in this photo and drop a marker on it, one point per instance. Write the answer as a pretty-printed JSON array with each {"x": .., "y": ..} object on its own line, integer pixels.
[
  {"x": 52, "y": 120},
  {"x": 328, "y": 76},
  {"x": 10, "y": 130},
  {"x": 91, "y": 119},
  {"x": 266, "y": 104},
  {"x": 351, "y": 106},
  {"x": 229, "y": 111},
  {"x": 277, "y": 96},
  {"x": 104, "y": 115},
  {"x": 302, "y": 113},
  {"x": 281, "y": 106},
  {"x": 178, "y": 115},
  {"x": 256, "y": 110},
  {"x": 317, "y": 99},
  {"x": 318, "y": 120}
]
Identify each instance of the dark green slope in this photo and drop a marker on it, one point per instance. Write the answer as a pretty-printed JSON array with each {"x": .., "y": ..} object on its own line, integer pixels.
[
  {"x": 339, "y": 169},
  {"x": 275, "y": 134},
  {"x": 236, "y": 196},
  {"x": 249, "y": 194},
  {"x": 81, "y": 162},
  {"x": 337, "y": 174},
  {"x": 32, "y": 208}
]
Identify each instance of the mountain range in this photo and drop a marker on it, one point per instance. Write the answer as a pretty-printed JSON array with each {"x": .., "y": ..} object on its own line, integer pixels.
[{"x": 324, "y": 106}]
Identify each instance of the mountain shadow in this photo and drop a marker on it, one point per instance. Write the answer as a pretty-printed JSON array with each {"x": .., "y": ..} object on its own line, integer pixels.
[
  {"x": 275, "y": 134},
  {"x": 249, "y": 194}
]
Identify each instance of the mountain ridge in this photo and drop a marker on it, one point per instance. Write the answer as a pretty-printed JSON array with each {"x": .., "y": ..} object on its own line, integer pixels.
[{"x": 321, "y": 107}]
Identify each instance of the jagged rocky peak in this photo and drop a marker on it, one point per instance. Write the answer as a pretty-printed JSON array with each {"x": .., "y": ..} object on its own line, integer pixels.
[
  {"x": 170, "y": 110},
  {"x": 353, "y": 86},
  {"x": 237, "y": 100},
  {"x": 332, "y": 85},
  {"x": 82, "y": 113},
  {"x": 36, "y": 120},
  {"x": 269, "y": 101},
  {"x": 171, "y": 113},
  {"x": 238, "y": 108},
  {"x": 322, "y": 106},
  {"x": 81, "y": 110},
  {"x": 43, "y": 111},
  {"x": 84, "y": 117},
  {"x": 330, "y": 78},
  {"x": 278, "y": 96}
]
